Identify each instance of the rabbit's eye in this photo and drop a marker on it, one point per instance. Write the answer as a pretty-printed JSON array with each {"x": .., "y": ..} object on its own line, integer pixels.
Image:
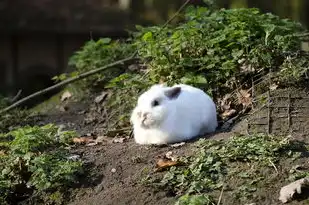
[{"x": 155, "y": 103}]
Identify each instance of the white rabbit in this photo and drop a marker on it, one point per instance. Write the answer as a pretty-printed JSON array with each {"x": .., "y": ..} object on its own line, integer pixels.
[{"x": 172, "y": 114}]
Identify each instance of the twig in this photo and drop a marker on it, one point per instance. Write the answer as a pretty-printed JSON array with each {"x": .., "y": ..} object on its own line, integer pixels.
[
  {"x": 220, "y": 197},
  {"x": 176, "y": 13},
  {"x": 268, "y": 112},
  {"x": 16, "y": 96},
  {"x": 274, "y": 166},
  {"x": 66, "y": 82}
]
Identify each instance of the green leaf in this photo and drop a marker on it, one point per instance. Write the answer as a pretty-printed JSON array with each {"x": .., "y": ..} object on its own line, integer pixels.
[{"x": 147, "y": 36}]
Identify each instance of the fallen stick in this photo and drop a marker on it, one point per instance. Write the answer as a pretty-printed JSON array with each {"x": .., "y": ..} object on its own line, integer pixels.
[
  {"x": 86, "y": 74},
  {"x": 66, "y": 82}
]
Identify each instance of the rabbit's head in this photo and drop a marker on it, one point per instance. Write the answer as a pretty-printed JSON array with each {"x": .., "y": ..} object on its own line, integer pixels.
[{"x": 154, "y": 106}]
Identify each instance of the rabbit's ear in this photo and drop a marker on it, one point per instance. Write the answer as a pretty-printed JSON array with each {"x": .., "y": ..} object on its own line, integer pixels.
[{"x": 172, "y": 93}]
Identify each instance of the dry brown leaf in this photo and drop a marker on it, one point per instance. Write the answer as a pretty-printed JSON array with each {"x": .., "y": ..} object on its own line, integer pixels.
[
  {"x": 228, "y": 113},
  {"x": 244, "y": 98},
  {"x": 287, "y": 192},
  {"x": 165, "y": 163},
  {"x": 83, "y": 140},
  {"x": 66, "y": 95}
]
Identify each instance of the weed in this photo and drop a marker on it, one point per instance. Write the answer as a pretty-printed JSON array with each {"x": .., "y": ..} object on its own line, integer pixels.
[
  {"x": 34, "y": 162},
  {"x": 213, "y": 49},
  {"x": 218, "y": 161},
  {"x": 195, "y": 200}
]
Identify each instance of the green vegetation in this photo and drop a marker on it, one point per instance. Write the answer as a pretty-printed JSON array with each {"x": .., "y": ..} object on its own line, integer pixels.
[
  {"x": 195, "y": 200},
  {"x": 213, "y": 46},
  {"x": 34, "y": 162},
  {"x": 241, "y": 164},
  {"x": 209, "y": 166},
  {"x": 214, "y": 49}
]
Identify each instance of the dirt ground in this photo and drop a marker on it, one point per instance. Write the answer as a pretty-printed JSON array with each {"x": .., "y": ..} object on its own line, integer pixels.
[{"x": 115, "y": 170}]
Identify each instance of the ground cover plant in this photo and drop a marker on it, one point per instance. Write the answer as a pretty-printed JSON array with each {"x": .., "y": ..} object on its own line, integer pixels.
[
  {"x": 239, "y": 166},
  {"x": 34, "y": 162},
  {"x": 217, "y": 50}
]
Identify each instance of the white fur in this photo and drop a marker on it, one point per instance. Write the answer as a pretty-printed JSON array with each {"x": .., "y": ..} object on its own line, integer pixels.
[{"x": 191, "y": 114}]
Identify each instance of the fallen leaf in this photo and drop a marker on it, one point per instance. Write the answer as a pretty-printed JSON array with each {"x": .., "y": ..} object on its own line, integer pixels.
[
  {"x": 169, "y": 155},
  {"x": 273, "y": 87},
  {"x": 165, "y": 163},
  {"x": 66, "y": 95},
  {"x": 91, "y": 144},
  {"x": 287, "y": 192},
  {"x": 83, "y": 140},
  {"x": 228, "y": 113},
  {"x": 101, "y": 139},
  {"x": 119, "y": 140},
  {"x": 244, "y": 98},
  {"x": 101, "y": 97},
  {"x": 73, "y": 157}
]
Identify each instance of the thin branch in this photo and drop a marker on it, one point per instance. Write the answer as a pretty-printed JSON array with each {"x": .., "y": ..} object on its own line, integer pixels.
[
  {"x": 176, "y": 14},
  {"x": 274, "y": 166},
  {"x": 66, "y": 82},
  {"x": 16, "y": 96},
  {"x": 220, "y": 197}
]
